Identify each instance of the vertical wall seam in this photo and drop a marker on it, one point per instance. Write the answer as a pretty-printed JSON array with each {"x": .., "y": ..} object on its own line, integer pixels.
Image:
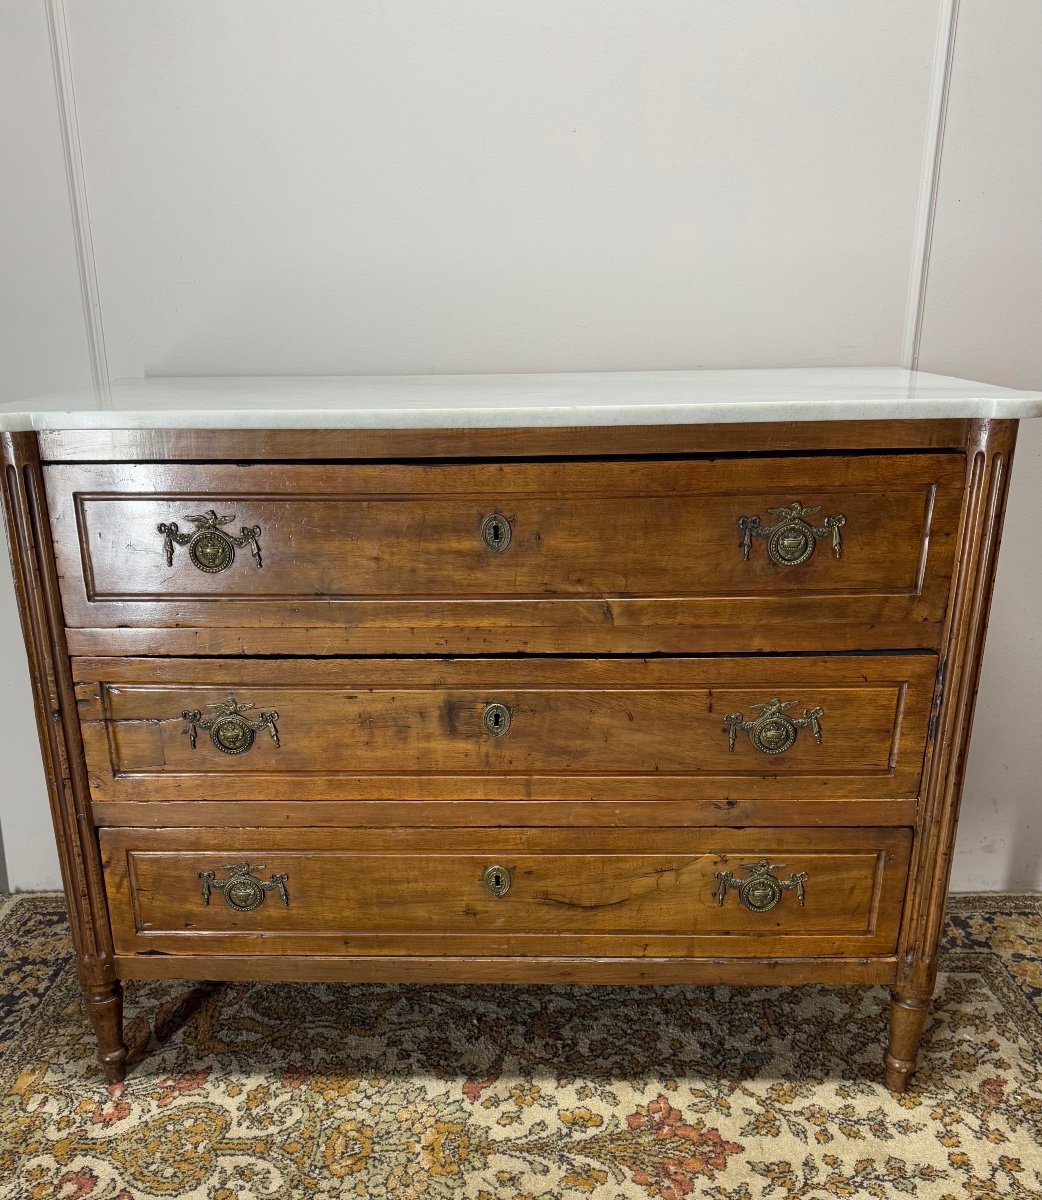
[
  {"x": 929, "y": 187},
  {"x": 74, "y": 174}
]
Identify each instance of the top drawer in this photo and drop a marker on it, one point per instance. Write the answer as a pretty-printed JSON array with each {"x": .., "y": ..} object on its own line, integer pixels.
[{"x": 635, "y": 555}]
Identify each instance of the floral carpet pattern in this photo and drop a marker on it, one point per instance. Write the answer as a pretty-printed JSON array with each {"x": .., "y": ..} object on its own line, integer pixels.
[{"x": 242, "y": 1092}]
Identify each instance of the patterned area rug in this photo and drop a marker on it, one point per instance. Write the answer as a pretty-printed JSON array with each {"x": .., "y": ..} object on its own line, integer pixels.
[{"x": 523, "y": 1093}]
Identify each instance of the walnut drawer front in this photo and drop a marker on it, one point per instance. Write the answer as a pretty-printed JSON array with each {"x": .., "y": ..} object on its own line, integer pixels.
[
  {"x": 660, "y": 893},
  {"x": 788, "y": 727},
  {"x": 612, "y": 555}
]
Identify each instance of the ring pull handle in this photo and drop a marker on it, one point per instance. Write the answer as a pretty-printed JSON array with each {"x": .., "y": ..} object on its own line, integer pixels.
[
  {"x": 496, "y": 720},
  {"x": 211, "y": 548},
  {"x": 495, "y": 533},
  {"x": 792, "y": 539},
  {"x": 241, "y": 891},
  {"x": 773, "y": 731},
  {"x": 761, "y": 891},
  {"x": 229, "y": 730}
]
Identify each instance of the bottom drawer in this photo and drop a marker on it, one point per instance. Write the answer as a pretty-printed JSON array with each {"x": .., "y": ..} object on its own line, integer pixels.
[{"x": 507, "y": 892}]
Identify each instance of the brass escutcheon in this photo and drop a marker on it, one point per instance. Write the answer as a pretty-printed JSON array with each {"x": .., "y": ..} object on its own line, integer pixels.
[
  {"x": 241, "y": 891},
  {"x": 792, "y": 539},
  {"x": 773, "y": 731},
  {"x": 496, "y": 720},
  {"x": 229, "y": 730},
  {"x": 761, "y": 891},
  {"x": 495, "y": 533},
  {"x": 210, "y": 548},
  {"x": 496, "y": 880}
]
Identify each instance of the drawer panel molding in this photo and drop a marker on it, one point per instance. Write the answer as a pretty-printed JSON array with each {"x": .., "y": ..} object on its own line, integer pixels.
[
  {"x": 548, "y": 891},
  {"x": 779, "y": 806},
  {"x": 488, "y": 729},
  {"x": 509, "y": 546}
]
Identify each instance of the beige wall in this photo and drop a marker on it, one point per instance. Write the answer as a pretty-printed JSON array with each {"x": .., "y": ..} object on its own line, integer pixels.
[
  {"x": 525, "y": 185},
  {"x": 43, "y": 344},
  {"x": 984, "y": 319}
]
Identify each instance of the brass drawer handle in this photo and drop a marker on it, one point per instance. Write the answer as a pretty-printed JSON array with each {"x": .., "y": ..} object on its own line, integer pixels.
[
  {"x": 210, "y": 548},
  {"x": 496, "y": 880},
  {"x": 761, "y": 891},
  {"x": 241, "y": 891},
  {"x": 229, "y": 730},
  {"x": 792, "y": 539},
  {"x": 496, "y": 720},
  {"x": 773, "y": 731},
  {"x": 495, "y": 533}
]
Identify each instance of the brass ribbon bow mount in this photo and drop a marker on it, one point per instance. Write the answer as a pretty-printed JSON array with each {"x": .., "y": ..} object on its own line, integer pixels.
[
  {"x": 761, "y": 891},
  {"x": 773, "y": 731},
  {"x": 792, "y": 539},
  {"x": 229, "y": 730},
  {"x": 210, "y": 548},
  {"x": 241, "y": 891}
]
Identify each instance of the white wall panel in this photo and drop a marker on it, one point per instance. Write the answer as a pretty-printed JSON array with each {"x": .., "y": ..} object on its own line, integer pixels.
[
  {"x": 43, "y": 345},
  {"x": 385, "y": 185},
  {"x": 984, "y": 320}
]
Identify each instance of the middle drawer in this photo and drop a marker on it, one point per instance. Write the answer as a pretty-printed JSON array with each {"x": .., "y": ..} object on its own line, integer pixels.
[{"x": 505, "y": 729}]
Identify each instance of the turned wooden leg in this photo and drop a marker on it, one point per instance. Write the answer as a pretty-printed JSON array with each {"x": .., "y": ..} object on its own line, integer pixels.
[
  {"x": 907, "y": 1016},
  {"x": 24, "y": 491},
  {"x": 105, "y": 1008}
]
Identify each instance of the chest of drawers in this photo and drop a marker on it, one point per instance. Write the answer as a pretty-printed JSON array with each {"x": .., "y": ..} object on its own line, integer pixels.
[{"x": 673, "y": 702}]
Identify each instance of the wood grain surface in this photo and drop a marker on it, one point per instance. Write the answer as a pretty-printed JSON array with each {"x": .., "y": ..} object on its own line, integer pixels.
[
  {"x": 614, "y": 800},
  {"x": 529, "y": 969},
  {"x": 400, "y": 545},
  {"x": 39, "y": 608},
  {"x": 325, "y": 445},
  {"x": 579, "y": 729},
  {"x": 612, "y": 892}
]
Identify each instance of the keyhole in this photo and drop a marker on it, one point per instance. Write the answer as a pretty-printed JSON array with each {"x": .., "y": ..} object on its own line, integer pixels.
[
  {"x": 495, "y": 533},
  {"x": 496, "y": 880},
  {"x": 496, "y": 720}
]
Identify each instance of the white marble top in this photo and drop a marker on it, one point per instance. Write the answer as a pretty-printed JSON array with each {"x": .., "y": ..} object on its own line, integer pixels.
[{"x": 517, "y": 401}]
